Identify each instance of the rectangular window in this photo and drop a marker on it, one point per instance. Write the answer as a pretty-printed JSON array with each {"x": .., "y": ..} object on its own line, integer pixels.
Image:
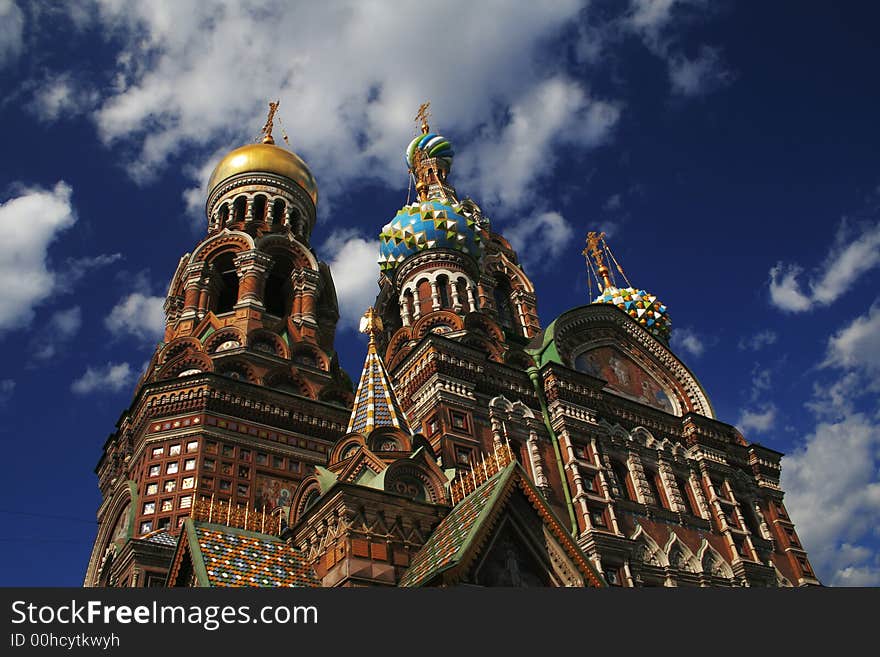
[
  {"x": 192, "y": 446},
  {"x": 146, "y": 527},
  {"x": 207, "y": 483},
  {"x": 597, "y": 517},
  {"x": 171, "y": 467},
  {"x": 189, "y": 464},
  {"x": 244, "y": 472},
  {"x": 152, "y": 489},
  {"x": 612, "y": 575},
  {"x": 432, "y": 426},
  {"x": 211, "y": 446},
  {"x": 241, "y": 490},
  {"x": 149, "y": 507},
  {"x": 262, "y": 459},
  {"x": 186, "y": 501},
  {"x": 462, "y": 456},
  {"x": 292, "y": 465},
  {"x": 277, "y": 462},
  {"x": 164, "y": 523},
  {"x": 181, "y": 520},
  {"x": 158, "y": 451},
  {"x": 170, "y": 486},
  {"x": 225, "y": 485},
  {"x": 209, "y": 464},
  {"x": 228, "y": 450},
  {"x": 188, "y": 482},
  {"x": 244, "y": 454},
  {"x": 590, "y": 484},
  {"x": 154, "y": 470},
  {"x": 458, "y": 420},
  {"x": 174, "y": 450},
  {"x": 225, "y": 467},
  {"x": 167, "y": 505}
]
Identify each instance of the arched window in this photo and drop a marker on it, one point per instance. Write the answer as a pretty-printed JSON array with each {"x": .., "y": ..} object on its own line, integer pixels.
[
  {"x": 461, "y": 290},
  {"x": 686, "y": 495},
  {"x": 278, "y": 209},
  {"x": 258, "y": 209},
  {"x": 410, "y": 303},
  {"x": 443, "y": 291},
  {"x": 238, "y": 209},
  {"x": 223, "y": 215},
  {"x": 656, "y": 486},
  {"x": 622, "y": 474},
  {"x": 425, "y": 301},
  {"x": 502, "y": 303},
  {"x": 278, "y": 295},
  {"x": 226, "y": 295}
]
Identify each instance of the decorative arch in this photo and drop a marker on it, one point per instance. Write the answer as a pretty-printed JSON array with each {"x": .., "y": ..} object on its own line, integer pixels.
[
  {"x": 189, "y": 361},
  {"x": 285, "y": 244},
  {"x": 114, "y": 534},
  {"x": 491, "y": 349},
  {"x": 288, "y": 379},
  {"x": 265, "y": 341},
  {"x": 345, "y": 448},
  {"x": 219, "y": 341},
  {"x": 336, "y": 396},
  {"x": 435, "y": 319},
  {"x": 236, "y": 368},
  {"x": 388, "y": 439},
  {"x": 226, "y": 240},
  {"x": 481, "y": 323},
  {"x": 712, "y": 563},
  {"x": 410, "y": 478},
  {"x": 646, "y": 550},
  {"x": 309, "y": 355},
  {"x": 397, "y": 342},
  {"x": 306, "y": 495},
  {"x": 178, "y": 347},
  {"x": 679, "y": 556}
]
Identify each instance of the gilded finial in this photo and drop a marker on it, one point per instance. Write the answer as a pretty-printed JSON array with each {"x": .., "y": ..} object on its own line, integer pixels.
[
  {"x": 422, "y": 116},
  {"x": 595, "y": 242},
  {"x": 266, "y": 133},
  {"x": 371, "y": 324}
]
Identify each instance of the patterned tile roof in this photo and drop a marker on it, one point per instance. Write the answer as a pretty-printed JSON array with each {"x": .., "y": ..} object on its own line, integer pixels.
[
  {"x": 234, "y": 557},
  {"x": 458, "y": 538},
  {"x": 448, "y": 543},
  {"x": 162, "y": 537},
  {"x": 375, "y": 404}
]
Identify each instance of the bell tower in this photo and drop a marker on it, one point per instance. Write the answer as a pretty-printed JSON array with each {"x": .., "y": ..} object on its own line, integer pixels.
[{"x": 244, "y": 395}]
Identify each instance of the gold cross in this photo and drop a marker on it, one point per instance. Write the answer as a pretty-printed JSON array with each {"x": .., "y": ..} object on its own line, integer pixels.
[
  {"x": 422, "y": 115},
  {"x": 266, "y": 133}
]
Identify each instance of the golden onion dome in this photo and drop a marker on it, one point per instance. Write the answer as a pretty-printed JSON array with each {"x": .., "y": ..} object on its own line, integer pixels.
[{"x": 265, "y": 158}]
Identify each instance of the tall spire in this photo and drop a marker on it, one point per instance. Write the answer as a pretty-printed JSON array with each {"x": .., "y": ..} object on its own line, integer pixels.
[
  {"x": 595, "y": 244},
  {"x": 429, "y": 158},
  {"x": 375, "y": 404}
]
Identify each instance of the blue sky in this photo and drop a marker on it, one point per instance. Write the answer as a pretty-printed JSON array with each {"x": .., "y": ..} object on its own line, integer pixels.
[{"x": 728, "y": 149}]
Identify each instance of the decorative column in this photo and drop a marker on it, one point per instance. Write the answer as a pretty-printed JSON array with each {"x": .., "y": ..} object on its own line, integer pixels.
[
  {"x": 252, "y": 267},
  {"x": 195, "y": 274},
  {"x": 310, "y": 295},
  {"x": 637, "y": 473},
  {"x": 456, "y": 300},
  {"x": 702, "y": 503},
  {"x": 404, "y": 310},
  {"x": 435, "y": 295},
  {"x": 667, "y": 478},
  {"x": 541, "y": 480},
  {"x": 470, "y": 297}
]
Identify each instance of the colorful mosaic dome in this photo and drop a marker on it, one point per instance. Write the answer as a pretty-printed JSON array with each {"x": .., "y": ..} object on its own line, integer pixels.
[
  {"x": 432, "y": 145},
  {"x": 642, "y": 306},
  {"x": 427, "y": 225}
]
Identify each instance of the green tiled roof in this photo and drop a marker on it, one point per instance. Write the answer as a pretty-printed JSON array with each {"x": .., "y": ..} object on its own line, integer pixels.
[
  {"x": 235, "y": 557},
  {"x": 450, "y": 540}
]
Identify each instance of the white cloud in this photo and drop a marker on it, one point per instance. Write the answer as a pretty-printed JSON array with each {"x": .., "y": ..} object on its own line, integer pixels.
[
  {"x": 75, "y": 269},
  {"x": 851, "y": 256},
  {"x": 112, "y": 377},
  {"x": 857, "y": 345},
  {"x": 138, "y": 314},
  {"x": 833, "y": 494},
  {"x": 7, "y": 387},
  {"x": 698, "y": 75},
  {"x": 687, "y": 340},
  {"x": 758, "y": 341},
  {"x": 348, "y": 101},
  {"x": 11, "y": 31},
  {"x": 538, "y": 239},
  {"x": 60, "y": 329},
  {"x": 29, "y": 223},
  {"x": 61, "y": 96},
  {"x": 355, "y": 274},
  {"x": 758, "y": 421},
  {"x": 613, "y": 203}
]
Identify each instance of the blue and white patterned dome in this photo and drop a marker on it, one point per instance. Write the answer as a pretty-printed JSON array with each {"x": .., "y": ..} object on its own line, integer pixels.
[{"x": 425, "y": 225}]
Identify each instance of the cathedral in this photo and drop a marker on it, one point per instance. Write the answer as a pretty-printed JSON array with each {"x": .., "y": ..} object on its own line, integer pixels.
[{"x": 477, "y": 448}]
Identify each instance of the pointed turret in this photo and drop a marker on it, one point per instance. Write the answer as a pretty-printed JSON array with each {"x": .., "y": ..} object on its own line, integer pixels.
[{"x": 375, "y": 404}]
